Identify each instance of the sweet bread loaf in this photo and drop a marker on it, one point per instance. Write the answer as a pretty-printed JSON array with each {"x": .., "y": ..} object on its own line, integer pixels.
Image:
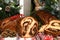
[
  {"x": 9, "y": 29},
  {"x": 5, "y": 21},
  {"x": 28, "y": 27},
  {"x": 45, "y": 16},
  {"x": 53, "y": 28}
]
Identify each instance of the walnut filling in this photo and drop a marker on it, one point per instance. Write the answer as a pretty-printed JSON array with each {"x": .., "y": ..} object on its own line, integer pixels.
[
  {"x": 24, "y": 33},
  {"x": 53, "y": 30},
  {"x": 30, "y": 20},
  {"x": 26, "y": 21},
  {"x": 33, "y": 30},
  {"x": 55, "y": 24},
  {"x": 26, "y": 25},
  {"x": 29, "y": 27},
  {"x": 8, "y": 33}
]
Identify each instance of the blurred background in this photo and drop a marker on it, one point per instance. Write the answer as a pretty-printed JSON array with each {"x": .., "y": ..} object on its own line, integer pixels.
[
  {"x": 53, "y": 6},
  {"x": 27, "y": 7}
]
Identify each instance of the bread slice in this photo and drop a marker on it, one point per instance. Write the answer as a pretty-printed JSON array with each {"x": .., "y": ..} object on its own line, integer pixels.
[
  {"x": 28, "y": 27},
  {"x": 53, "y": 28}
]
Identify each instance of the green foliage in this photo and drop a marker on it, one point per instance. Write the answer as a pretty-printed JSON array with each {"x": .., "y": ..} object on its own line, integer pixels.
[
  {"x": 14, "y": 8},
  {"x": 49, "y": 5},
  {"x": 53, "y": 7}
]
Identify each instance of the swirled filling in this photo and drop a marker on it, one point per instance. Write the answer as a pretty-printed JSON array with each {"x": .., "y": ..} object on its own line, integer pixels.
[
  {"x": 53, "y": 30},
  {"x": 33, "y": 30},
  {"x": 8, "y": 33},
  {"x": 55, "y": 24}
]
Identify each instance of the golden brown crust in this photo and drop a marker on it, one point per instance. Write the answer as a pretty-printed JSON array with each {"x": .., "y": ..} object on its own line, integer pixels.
[
  {"x": 0, "y": 26},
  {"x": 45, "y": 16},
  {"x": 19, "y": 28},
  {"x": 9, "y": 25},
  {"x": 5, "y": 21},
  {"x": 42, "y": 28}
]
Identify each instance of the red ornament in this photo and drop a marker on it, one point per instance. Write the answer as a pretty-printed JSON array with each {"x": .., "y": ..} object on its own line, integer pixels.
[{"x": 47, "y": 37}]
